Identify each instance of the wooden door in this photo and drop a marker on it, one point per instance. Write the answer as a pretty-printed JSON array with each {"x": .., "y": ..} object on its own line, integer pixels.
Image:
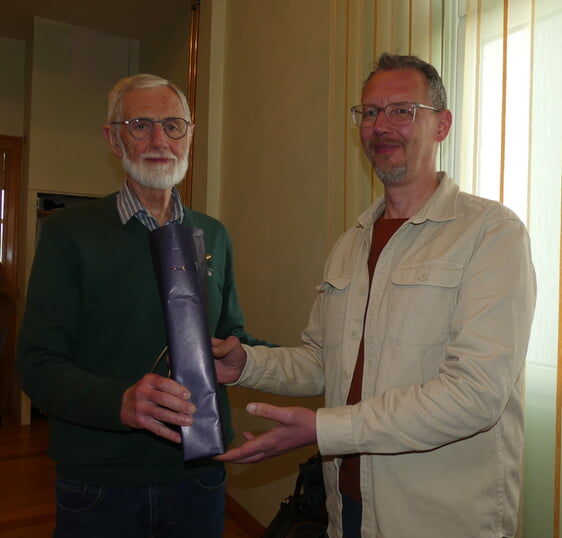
[{"x": 11, "y": 148}]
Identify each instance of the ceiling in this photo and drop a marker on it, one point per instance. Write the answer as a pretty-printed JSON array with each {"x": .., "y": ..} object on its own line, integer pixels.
[{"x": 135, "y": 19}]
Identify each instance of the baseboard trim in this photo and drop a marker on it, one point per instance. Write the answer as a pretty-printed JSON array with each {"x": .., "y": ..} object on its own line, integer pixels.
[{"x": 243, "y": 518}]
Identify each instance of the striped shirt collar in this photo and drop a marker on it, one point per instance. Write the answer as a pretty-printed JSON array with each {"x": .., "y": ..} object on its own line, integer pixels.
[{"x": 129, "y": 206}]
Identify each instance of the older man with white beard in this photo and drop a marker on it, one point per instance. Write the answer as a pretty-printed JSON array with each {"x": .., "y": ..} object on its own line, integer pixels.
[{"x": 93, "y": 330}]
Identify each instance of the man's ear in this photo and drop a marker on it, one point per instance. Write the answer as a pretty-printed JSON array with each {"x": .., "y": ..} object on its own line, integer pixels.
[
  {"x": 190, "y": 129},
  {"x": 444, "y": 122},
  {"x": 111, "y": 136}
]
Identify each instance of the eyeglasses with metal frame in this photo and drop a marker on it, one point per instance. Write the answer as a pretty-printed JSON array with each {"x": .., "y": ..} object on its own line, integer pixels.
[
  {"x": 142, "y": 128},
  {"x": 398, "y": 114}
]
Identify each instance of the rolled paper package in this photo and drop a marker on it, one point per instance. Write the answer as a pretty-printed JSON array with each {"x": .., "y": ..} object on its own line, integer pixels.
[{"x": 178, "y": 254}]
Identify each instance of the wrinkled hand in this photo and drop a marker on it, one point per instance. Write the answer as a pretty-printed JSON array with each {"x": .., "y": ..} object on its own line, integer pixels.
[
  {"x": 154, "y": 402},
  {"x": 230, "y": 359},
  {"x": 296, "y": 427}
]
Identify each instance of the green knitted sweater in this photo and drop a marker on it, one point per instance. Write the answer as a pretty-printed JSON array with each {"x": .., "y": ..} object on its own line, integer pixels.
[{"x": 93, "y": 326}]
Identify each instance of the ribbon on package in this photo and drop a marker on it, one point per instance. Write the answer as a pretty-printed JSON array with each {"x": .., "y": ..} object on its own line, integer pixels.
[{"x": 178, "y": 254}]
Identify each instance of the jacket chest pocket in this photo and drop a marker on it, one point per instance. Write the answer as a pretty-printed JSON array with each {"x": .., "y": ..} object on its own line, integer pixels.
[
  {"x": 334, "y": 304},
  {"x": 422, "y": 302}
]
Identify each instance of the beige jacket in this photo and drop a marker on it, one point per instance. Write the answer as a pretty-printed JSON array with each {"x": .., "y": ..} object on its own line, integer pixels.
[{"x": 446, "y": 333}]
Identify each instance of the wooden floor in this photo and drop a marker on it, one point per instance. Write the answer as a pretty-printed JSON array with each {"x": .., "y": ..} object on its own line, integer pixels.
[{"x": 26, "y": 486}]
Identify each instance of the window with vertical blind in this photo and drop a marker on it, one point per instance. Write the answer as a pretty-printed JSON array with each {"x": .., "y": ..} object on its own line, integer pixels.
[
  {"x": 501, "y": 61},
  {"x": 509, "y": 143}
]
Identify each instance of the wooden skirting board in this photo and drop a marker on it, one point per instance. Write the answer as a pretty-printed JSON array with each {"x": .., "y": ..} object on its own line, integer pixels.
[{"x": 243, "y": 518}]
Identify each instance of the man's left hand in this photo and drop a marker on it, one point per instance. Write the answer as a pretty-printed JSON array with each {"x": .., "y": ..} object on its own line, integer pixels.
[
  {"x": 296, "y": 427},
  {"x": 155, "y": 402}
]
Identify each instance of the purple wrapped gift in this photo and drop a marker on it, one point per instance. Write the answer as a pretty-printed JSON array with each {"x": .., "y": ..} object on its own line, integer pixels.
[{"x": 178, "y": 253}]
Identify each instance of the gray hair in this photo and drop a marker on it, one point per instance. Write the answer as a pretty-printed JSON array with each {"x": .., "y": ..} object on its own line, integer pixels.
[
  {"x": 137, "y": 82},
  {"x": 396, "y": 62}
]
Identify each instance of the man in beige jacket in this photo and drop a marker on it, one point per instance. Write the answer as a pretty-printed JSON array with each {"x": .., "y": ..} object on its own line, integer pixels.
[{"x": 417, "y": 339}]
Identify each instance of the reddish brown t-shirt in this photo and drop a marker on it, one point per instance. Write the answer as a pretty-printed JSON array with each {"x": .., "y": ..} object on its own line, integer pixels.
[{"x": 383, "y": 230}]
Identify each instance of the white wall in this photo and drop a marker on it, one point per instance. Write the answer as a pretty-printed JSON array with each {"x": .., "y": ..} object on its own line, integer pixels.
[{"x": 73, "y": 69}]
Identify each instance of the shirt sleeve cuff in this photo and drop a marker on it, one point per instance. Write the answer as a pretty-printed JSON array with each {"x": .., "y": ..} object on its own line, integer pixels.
[
  {"x": 246, "y": 371},
  {"x": 334, "y": 431}
]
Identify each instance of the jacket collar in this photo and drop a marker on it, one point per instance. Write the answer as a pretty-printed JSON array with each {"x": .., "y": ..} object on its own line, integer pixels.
[{"x": 440, "y": 207}]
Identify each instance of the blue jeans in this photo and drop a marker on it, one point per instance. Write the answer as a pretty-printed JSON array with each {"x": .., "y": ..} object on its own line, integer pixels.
[
  {"x": 351, "y": 517},
  {"x": 352, "y": 514},
  {"x": 189, "y": 509}
]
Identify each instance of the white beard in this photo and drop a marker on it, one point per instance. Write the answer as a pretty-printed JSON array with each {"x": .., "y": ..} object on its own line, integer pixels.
[{"x": 155, "y": 176}]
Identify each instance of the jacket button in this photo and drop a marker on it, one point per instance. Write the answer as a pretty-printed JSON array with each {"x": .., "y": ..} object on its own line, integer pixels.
[{"x": 423, "y": 274}]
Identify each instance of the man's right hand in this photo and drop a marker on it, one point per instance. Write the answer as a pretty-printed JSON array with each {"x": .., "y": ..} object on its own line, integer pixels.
[
  {"x": 154, "y": 402},
  {"x": 230, "y": 359}
]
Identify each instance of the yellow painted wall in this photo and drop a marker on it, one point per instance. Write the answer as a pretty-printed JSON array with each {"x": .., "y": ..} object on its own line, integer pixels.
[
  {"x": 12, "y": 75},
  {"x": 165, "y": 52},
  {"x": 262, "y": 151},
  {"x": 274, "y": 187}
]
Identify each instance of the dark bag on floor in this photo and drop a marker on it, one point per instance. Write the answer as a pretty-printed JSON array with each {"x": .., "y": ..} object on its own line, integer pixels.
[{"x": 303, "y": 514}]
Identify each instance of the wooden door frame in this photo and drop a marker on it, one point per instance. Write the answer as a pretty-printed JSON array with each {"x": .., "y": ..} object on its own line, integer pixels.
[
  {"x": 186, "y": 186},
  {"x": 14, "y": 145},
  {"x": 11, "y": 175}
]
